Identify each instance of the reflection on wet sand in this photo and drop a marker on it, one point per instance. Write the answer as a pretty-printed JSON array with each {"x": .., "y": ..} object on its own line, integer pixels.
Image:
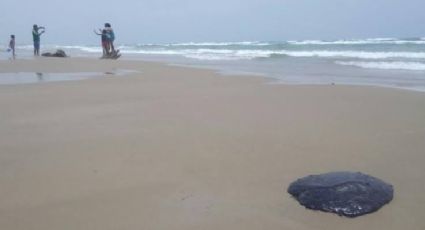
[{"x": 39, "y": 77}]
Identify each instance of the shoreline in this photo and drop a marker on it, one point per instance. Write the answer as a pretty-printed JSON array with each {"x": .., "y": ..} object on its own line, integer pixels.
[
  {"x": 392, "y": 62},
  {"x": 185, "y": 148},
  {"x": 31, "y": 67}
]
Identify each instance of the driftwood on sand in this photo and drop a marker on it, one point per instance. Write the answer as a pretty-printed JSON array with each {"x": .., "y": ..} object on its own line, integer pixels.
[{"x": 113, "y": 55}]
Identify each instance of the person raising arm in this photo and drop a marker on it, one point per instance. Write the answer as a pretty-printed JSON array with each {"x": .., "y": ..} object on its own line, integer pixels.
[{"x": 36, "y": 33}]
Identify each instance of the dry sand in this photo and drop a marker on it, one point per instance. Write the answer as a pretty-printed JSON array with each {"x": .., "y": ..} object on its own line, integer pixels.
[{"x": 178, "y": 148}]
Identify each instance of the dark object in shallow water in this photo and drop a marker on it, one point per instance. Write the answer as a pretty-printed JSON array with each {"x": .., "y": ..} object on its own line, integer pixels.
[
  {"x": 344, "y": 193},
  {"x": 58, "y": 53}
]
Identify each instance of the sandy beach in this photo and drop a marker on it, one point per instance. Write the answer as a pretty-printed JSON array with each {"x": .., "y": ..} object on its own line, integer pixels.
[{"x": 179, "y": 148}]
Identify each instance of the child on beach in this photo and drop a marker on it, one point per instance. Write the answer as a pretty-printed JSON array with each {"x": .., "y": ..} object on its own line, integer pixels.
[
  {"x": 12, "y": 46},
  {"x": 105, "y": 41}
]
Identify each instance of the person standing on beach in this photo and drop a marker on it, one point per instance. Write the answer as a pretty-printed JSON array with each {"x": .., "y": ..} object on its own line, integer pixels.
[
  {"x": 104, "y": 40},
  {"x": 12, "y": 46},
  {"x": 111, "y": 37},
  {"x": 36, "y": 33}
]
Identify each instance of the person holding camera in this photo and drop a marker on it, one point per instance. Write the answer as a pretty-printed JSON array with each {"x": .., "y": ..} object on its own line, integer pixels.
[{"x": 37, "y": 31}]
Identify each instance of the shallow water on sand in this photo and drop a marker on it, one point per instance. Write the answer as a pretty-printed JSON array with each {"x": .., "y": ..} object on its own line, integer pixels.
[{"x": 38, "y": 77}]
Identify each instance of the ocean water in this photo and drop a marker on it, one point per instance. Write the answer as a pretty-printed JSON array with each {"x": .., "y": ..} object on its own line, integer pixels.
[{"x": 387, "y": 62}]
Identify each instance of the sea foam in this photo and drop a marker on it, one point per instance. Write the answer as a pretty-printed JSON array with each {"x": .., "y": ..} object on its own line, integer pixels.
[
  {"x": 418, "y": 66},
  {"x": 354, "y": 54},
  {"x": 372, "y": 41},
  {"x": 248, "y": 54}
]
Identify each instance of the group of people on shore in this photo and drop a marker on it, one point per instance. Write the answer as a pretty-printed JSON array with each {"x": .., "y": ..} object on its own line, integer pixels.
[
  {"x": 107, "y": 41},
  {"x": 37, "y": 31}
]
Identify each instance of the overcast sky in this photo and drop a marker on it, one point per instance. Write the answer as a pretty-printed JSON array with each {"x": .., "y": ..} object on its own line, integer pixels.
[{"x": 163, "y": 21}]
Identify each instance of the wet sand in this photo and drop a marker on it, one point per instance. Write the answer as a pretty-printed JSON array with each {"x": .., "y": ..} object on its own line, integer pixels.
[{"x": 180, "y": 148}]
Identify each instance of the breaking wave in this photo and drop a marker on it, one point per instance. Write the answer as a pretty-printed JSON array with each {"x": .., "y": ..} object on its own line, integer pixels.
[
  {"x": 372, "y": 41},
  {"x": 417, "y": 66},
  {"x": 227, "y": 54},
  {"x": 386, "y": 53}
]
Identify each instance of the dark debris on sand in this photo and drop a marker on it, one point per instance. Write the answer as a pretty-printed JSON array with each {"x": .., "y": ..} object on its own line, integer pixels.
[
  {"x": 344, "y": 193},
  {"x": 58, "y": 53}
]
